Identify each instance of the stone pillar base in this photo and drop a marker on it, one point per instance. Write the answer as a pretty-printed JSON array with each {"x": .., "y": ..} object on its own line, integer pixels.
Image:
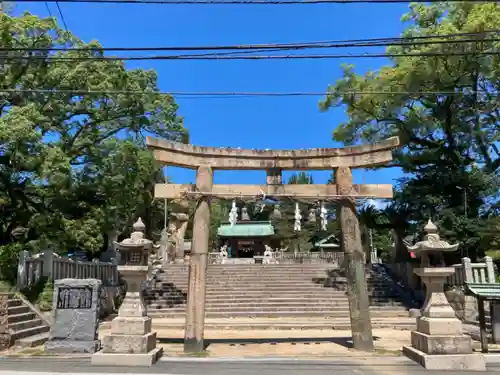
[
  {"x": 71, "y": 346},
  {"x": 465, "y": 362},
  {"x": 131, "y": 343},
  {"x": 439, "y": 344},
  {"x": 123, "y": 359}
]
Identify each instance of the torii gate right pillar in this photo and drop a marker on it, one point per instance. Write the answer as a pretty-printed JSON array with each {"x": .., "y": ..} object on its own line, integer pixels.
[{"x": 350, "y": 241}]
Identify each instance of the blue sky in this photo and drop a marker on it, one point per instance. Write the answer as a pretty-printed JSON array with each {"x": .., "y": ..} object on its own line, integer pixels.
[{"x": 258, "y": 122}]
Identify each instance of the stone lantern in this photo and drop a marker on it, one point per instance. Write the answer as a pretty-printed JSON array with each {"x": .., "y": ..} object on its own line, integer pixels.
[
  {"x": 131, "y": 341},
  {"x": 439, "y": 342}
]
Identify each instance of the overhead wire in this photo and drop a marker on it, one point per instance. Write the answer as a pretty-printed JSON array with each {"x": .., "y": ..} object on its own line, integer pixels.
[
  {"x": 259, "y": 2},
  {"x": 48, "y": 9},
  {"x": 238, "y": 94},
  {"x": 216, "y": 56},
  {"x": 63, "y": 20},
  {"x": 373, "y": 42}
]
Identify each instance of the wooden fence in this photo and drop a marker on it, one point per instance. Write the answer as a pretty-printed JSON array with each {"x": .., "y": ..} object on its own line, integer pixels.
[{"x": 32, "y": 268}]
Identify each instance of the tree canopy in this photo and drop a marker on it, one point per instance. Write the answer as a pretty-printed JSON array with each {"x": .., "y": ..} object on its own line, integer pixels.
[
  {"x": 444, "y": 109},
  {"x": 73, "y": 166}
]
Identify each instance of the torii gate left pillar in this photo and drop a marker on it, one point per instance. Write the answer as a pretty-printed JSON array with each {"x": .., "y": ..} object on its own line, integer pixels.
[
  {"x": 195, "y": 313},
  {"x": 341, "y": 161}
]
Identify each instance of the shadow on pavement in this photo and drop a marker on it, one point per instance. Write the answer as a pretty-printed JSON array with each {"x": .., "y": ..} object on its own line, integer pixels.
[{"x": 344, "y": 341}]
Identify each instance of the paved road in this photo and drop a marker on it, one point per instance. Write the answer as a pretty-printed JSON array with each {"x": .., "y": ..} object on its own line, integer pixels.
[{"x": 46, "y": 366}]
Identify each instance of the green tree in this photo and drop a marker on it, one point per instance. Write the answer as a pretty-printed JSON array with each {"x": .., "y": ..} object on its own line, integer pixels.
[
  {"x": 444, "y": 110},
  {"x": 219, "y": 214},
  {"x": 73, "y": 165},
  {"x": 301, "y": 178}
]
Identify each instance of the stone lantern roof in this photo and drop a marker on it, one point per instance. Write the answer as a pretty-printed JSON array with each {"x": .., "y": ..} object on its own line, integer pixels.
[
  {"x": 432, "y": 242},
  {"x": 136, "y": 238}
]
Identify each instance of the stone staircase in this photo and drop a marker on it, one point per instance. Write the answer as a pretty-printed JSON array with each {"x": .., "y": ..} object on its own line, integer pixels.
[
  {"x": 27, "y": 327},
  {"x": 307, "y": 291}
]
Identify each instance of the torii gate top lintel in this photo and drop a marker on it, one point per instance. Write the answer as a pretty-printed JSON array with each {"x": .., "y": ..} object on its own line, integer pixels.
[{"x": 189, "y": 156}]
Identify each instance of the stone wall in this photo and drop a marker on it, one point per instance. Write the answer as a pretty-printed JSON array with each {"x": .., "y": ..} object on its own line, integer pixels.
[
  {"x": 465, "y": 306},
  {"x": 4, "y": 326}
]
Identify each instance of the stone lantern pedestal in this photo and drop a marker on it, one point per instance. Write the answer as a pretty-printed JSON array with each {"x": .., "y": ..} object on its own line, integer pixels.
[
  {"x": 131, "y": 342},
  {"x": 439, "y": 342}
]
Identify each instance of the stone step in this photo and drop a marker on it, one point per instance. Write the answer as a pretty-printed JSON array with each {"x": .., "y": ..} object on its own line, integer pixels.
[
  {"x": 13, "y": 302},
  {"x": 23, "y": 317},
  {"x": 259, "y": 271},
  {"x": 263, "y": 294},
  {"x": 265, "y": 281},
  {"x": 255, "y": 291},
  {"x": 268, "y": 308},
  {"x": 33, "y": 341},
  {"x": 267, "y": 299},
  {"x": 265, "y": 305},
  {"x": 269, "y": 280},
  {"x": 19, "y": 326},
  {"x": 15, "y": 310},
  {"x": 255, "y": 273},
  {"x": 254, "y": 266},
  {"x": 27, "y": 332},
  {"x": 264, "y": 298},
  {"x": 280, "y": 324},
  {"x": 299, "y": 309},
  {"x": 167, "y": 314},
  {"x": 220, "y": 303}
]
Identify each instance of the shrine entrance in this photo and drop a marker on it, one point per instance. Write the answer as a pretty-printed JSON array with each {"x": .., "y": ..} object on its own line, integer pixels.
[
  {"x": 245, "y": 239},
  {"x": 341, "y": 160}
]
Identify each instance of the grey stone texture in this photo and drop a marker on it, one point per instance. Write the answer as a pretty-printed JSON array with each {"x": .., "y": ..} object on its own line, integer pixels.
[
  {"x": 76, "y": 305},
  {"x": 4, "y": 321}
]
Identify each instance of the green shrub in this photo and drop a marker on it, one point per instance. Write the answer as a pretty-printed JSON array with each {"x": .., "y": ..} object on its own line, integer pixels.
[
  {"x": 32, "y": 292},
  {"x": 9, "y": 258},
  {"x": 44, "y": 300}
]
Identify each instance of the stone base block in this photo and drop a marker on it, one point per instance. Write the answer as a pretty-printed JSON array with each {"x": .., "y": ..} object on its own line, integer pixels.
[
  {"x": 466, "y": 362},
  {"x": 129, "y": 344},
  {"x": 439, "y": 326},
  {"x": 72, "y": 346},
  {"x": 131, "y": 326},
  {"x": 122, "y": 359},
  {"x": 441, "y": 344}
]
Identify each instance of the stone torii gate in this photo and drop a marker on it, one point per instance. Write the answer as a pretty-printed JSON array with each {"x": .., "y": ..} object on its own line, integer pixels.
[{"x": 341, "y": 160}]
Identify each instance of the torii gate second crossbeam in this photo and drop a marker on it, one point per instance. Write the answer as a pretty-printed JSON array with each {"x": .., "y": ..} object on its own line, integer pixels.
[{"x": 341, "y": 160}]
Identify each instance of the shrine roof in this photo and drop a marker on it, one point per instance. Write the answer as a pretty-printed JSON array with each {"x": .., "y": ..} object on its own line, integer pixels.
[
  {"x": 246, "y": 229},
  {"x": 486, "y": 291}
]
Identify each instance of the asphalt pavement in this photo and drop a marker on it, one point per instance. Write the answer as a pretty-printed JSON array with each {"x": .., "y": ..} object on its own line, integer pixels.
[{"x": 342, "y": 366}]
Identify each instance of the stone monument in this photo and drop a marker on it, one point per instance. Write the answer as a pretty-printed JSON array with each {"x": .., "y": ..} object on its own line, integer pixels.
[
  {"x": 439, "y": 342},
  {"x": 75, "y": 307},
  {"x": 131, "y": 342}
]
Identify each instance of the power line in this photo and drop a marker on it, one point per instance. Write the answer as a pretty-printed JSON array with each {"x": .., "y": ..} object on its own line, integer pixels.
[
  {"x": 273, "y": 47},
  {"x": 259, "y": 2},
  {"x": 221, "y": 56},
  {"x": 48, "y": 9},
  {"x": 62, "y": 16},
  {"x": 240, "y": 94}
]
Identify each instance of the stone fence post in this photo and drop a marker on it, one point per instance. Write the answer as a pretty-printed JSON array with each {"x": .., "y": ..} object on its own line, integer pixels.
[
  {"x": 21, "y": 269},
  {"x": 48, "y": 264},
  {"x": 490, "y": 270},
  {"x": 467, "y": 270}
]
